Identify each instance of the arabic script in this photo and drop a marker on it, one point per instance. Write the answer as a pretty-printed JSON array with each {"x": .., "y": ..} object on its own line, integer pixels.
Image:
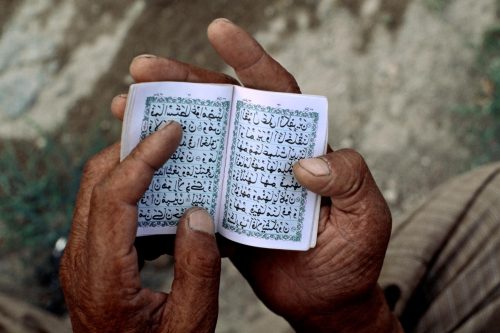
[
  {"x": 191, "y": 176},
  {"x": 263, "y": 198}
]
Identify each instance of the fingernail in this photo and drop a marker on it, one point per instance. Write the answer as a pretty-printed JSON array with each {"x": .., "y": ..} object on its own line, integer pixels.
[
  {"x": 162, "y": 126},
  {"x": 316, "y": 166},
  {"x": 119, "y": 97},
  {"x": 223, "y": 19},
  {"x": 200, "y": 220},
  {"x": 146, "y": 56}
]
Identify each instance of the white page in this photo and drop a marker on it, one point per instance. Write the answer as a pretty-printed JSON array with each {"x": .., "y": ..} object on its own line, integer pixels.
[
  {"x": 314, "y": 234},
  {"x": 263, "y": 204},
  {"x": 193, "y": 175}
]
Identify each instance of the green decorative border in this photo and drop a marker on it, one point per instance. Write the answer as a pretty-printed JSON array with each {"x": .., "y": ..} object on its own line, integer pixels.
[
  {"x": 158, "y": 98},
  {"x": 310, "y": 149}
]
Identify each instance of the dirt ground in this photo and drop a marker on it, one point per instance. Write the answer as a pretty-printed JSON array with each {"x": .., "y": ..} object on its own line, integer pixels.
[{"x": 393, "y": 70}]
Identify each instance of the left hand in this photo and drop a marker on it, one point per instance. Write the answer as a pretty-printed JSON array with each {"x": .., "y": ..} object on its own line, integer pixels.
[{"x": 99, "y": 271}]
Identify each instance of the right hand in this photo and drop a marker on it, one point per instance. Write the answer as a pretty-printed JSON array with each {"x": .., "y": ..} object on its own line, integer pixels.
[{"x": 332, "y": 287}]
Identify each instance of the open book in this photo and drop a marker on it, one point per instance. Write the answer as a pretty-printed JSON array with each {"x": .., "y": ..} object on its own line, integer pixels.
[{"x": 235, "y": 159}]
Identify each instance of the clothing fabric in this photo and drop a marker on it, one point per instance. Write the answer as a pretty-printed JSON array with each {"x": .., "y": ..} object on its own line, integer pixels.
[{"x": 442, "y": 268}]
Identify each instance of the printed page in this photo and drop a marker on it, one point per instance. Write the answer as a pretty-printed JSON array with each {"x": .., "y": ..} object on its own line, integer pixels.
[
  {"x": 193, "y": 175},
  {"x": 264, "y": 205}
]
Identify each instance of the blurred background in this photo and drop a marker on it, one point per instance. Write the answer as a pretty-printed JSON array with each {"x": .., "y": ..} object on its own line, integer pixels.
[{"x": 412, "y": 84}]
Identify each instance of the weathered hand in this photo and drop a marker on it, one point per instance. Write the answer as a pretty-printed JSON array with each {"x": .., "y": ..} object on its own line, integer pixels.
[
  {"x": 332, "y": 287},
  {"x": 99, "y": 270}
]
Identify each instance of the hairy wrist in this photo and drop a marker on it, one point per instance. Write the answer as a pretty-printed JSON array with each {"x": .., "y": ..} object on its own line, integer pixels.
[{"x": 369, "y": 313}]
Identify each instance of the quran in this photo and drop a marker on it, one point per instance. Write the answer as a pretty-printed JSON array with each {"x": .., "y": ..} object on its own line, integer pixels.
[{"x": 235, "y": 160}]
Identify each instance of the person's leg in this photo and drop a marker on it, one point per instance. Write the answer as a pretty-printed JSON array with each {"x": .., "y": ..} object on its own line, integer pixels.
[{"x": 442, "y": 269}]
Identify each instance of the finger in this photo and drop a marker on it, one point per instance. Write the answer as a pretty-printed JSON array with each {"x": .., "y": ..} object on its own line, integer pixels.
[
  {"x": 150, "y": 68},
  {"x": 193, "y": 301},
  {"x": 113, "y": 215},
  {"x": 118, "y": 105},
  {"x": 345, "y": 178},
  {"x": 254, "y": 67},
  {"x": 94, "y": 171}
]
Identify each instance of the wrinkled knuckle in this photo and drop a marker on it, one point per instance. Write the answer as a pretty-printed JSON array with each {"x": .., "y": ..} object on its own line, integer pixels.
[
  {"x": 131, "y": 172},
  {"x": 137, "y": 156},
  {"x": 357, "y": 163},
  {"x": 100, "y": 194},
  {"x": 355, "y": 160},
  {"x": 263, "y": 56},
  {"x": 203, "y": 265}
]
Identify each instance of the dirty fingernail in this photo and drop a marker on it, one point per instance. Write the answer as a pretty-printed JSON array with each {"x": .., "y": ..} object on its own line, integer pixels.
[
  {"x": 316, "y": 166},
  {"x": 146, "y": 56},
  {"x": 200, "y": 220},
  {"x": 223, "y": 19},
  {"x": 119, "y": 97}
]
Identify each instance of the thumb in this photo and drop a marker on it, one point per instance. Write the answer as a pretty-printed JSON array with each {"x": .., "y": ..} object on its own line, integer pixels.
[
  {"x": 193, "y": 302},
  {"x": 344, "y": 177}
]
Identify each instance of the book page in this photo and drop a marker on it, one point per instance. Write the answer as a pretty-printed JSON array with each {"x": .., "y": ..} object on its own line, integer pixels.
[
  {"x": 264, "y": 205},
  {"x": 193, "y": 175}
]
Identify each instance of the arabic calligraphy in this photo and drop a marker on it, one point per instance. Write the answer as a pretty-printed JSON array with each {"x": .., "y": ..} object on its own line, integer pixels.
[
  {"x": 263, "y": 198},
  {"x": 191, "y": 176}
]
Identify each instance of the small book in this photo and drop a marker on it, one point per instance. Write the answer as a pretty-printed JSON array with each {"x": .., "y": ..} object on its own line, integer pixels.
[{"x": 235, "y": 160}]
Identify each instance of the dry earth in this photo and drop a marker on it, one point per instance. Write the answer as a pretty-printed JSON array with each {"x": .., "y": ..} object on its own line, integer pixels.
[{"x": 391, "y": 69}]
